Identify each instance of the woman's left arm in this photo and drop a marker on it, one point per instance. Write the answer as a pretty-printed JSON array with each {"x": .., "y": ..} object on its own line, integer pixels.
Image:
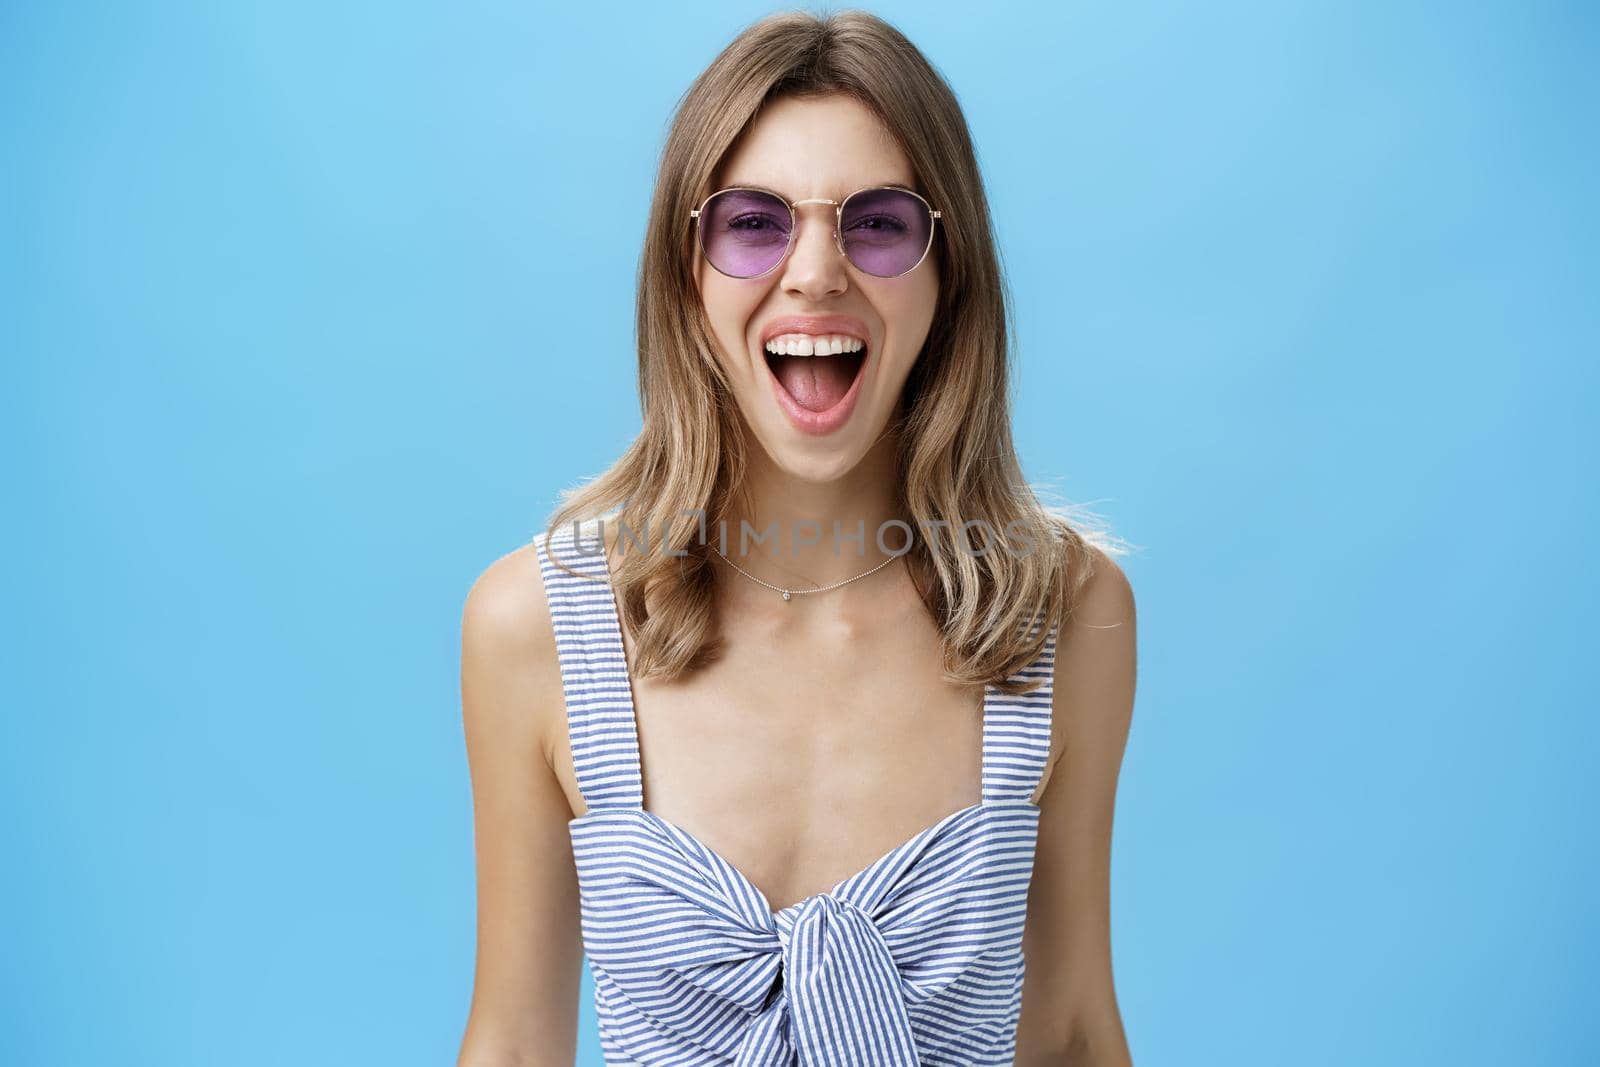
[{"x": 1069, "y": 1001}]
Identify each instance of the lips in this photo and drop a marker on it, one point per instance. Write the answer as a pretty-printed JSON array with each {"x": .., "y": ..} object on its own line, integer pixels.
[
  {"x": 815, "y": 324},
  {"x": 817, "y": 393}
]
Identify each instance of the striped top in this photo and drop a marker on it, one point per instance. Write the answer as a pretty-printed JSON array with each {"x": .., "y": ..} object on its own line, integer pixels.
[{"x": 916, "y": 959}]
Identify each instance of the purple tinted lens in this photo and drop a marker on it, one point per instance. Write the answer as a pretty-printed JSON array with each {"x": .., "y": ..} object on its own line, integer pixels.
[
  {"x": 886, "y": 231},
  {"x": 744, "y": 232}
]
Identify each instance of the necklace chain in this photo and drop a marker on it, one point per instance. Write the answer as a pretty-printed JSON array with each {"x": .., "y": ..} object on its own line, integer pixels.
[{"x": 787, "y": 593}]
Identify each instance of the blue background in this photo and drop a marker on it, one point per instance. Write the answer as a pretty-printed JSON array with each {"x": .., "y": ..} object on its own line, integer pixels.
[{"x": 310, "y": 309}]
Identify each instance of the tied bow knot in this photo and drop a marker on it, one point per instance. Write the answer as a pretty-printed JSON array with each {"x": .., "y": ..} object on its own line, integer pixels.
[{"x": 840, "y": 1001}]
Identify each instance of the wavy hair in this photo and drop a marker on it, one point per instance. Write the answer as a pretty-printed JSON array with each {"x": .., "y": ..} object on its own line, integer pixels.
[{"x": 956, "y": 462}]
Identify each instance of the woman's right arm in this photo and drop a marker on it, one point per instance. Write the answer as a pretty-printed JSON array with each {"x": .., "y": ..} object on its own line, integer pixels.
[{"x": 529, "y": 942}]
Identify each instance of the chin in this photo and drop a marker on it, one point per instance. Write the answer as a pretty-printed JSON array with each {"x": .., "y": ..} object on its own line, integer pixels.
[{"x": 813, "y": 461}]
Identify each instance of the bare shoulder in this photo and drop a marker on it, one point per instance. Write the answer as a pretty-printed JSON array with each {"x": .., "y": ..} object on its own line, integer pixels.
[
  {"x": 530, "y": 952},
  {"x": 1095, "y": 666},
  {"x": 508, "y": 645},
  {"x": 1069, "y": 1001}
]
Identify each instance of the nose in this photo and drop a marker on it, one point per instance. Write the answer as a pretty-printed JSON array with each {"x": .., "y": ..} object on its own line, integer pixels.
[{"x": 815, "y": 268}]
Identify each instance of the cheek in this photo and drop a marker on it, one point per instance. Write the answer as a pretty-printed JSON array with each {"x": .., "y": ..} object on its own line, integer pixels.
[
  {"x": 912, "y": 308},
  {"x": 727, "y": 305},
  {"x": 728, "y": 308},
  {"x": 928, "y": 287},
  {"x": 926, "y": 304}
]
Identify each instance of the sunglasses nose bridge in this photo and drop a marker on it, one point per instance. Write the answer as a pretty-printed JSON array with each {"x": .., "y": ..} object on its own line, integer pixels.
[{"x": 794, "y": 232}]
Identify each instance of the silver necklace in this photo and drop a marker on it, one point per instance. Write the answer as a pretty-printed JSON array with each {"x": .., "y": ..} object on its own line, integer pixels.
[{"x": 787, "y": 593}]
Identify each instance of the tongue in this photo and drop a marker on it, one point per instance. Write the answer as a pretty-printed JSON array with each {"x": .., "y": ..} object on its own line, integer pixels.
[{"x": 817, "y": 383}]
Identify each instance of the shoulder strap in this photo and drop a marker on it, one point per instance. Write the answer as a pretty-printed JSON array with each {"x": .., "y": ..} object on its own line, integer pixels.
[
  {"x": 1016, "y": 730},
  {"x": 594, "y": 669}
]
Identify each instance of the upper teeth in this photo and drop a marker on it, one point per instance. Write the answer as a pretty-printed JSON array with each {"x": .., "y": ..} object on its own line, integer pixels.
[{"x": 805, "y": 344}]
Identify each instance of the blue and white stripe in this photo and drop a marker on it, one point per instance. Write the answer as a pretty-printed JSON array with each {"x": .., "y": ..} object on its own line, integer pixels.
[{"x": 917, "y": 959}]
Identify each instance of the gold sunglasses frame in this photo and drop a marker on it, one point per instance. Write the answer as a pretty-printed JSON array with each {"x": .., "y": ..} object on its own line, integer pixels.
[{"x": 794, "y": 226}]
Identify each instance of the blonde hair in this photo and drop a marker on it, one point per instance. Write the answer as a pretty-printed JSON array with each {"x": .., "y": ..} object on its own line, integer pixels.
[{"x": 956, "y": 460}]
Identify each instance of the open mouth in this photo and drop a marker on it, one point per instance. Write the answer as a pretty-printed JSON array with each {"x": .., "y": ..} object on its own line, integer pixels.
[{"x": 817, "y": 383}]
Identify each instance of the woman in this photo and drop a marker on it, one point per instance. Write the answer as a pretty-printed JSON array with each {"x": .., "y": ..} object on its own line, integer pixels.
[{"x": 815, "y": 798}]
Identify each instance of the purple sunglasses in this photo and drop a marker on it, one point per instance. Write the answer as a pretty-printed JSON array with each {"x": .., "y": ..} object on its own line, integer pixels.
[{"x": 745, "y": 232}]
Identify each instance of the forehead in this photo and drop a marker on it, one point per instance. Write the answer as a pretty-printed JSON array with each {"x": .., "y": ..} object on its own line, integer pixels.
[{"x": 825, "y": 147}]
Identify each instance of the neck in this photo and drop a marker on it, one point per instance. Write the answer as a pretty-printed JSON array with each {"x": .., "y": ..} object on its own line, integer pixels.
[{"x": 802, "y": 535}]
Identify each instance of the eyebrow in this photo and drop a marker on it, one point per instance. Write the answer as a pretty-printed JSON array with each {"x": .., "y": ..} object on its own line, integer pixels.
[{"x": 788, "y": 200}]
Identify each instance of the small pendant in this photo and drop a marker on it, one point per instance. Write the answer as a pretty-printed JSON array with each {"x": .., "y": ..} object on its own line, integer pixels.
[{"x": 786, "y": 594}]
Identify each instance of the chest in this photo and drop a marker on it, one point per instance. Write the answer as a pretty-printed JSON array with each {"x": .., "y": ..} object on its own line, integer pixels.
[{"x": 806, "y": 752}]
